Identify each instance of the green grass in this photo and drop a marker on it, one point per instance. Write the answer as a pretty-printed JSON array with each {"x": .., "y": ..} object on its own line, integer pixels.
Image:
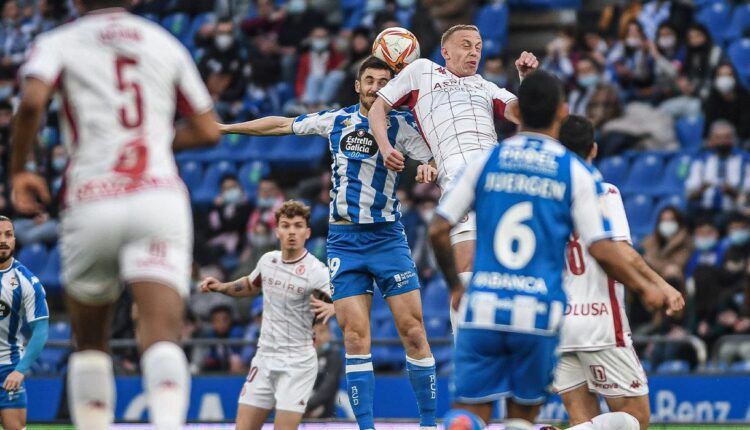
[{"x": 651, "y": 427}]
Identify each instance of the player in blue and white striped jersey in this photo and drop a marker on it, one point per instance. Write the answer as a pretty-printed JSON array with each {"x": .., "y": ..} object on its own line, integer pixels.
[
  {"x": 366, "y": 241},
  {"x": 22, "y": 299}
]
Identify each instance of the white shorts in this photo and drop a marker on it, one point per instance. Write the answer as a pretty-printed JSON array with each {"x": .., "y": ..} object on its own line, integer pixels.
[
  {"x": 611, "y": 372},
  {"x": 106, "y": 244},
  {"x": 465, "y": 230},
  {"x": 280, "y": 382}
]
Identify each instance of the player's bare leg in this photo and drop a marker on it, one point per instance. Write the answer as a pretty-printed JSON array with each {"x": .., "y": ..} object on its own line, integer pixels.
[
  {"x": 520, "y": 417},
  {"x": 463, "y": 255},
  {"x": 638, "y": 407},
  {"x": 165, "y": 369},
  {"x": 353, "y": 315},
  {"x": 287, "y": 420},
  {"x": 13, "y": 419},
  {"x": 91, "y": 383},
  {"x": 252, "y": 417},
  {"x": 582, "y": 405}
]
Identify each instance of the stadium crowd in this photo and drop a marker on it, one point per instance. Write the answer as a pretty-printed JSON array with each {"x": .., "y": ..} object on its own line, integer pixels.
[{"x": 665, "y": 83}]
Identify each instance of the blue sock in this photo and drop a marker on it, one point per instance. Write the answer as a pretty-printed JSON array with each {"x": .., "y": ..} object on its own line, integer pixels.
[
  {"x": 424, "y": 383},
  {"x": 360, "y": 385},
  {"x": 459, "y": 419}
]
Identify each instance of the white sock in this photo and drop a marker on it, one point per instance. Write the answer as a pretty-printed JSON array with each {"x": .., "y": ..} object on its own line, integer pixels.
[
  {"x": 518, "y": 424},
  {"x": 91, "y": 390},
  {"x": 610, "y": 421},
  {"x": 166, "y": 380}
]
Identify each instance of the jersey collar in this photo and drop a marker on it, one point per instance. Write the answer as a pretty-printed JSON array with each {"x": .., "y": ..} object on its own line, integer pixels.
[
  {"x": 12, "y": 264},
  {"x": 106, "y": 11},
  {"x": 297, "y": 260}
]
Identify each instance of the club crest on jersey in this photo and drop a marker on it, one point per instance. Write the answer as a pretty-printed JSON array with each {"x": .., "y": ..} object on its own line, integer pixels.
[
  {"x": 14, "y": 282},
  {"x": 300, "y": 270},
  {"x": 358, "y": 145},
  {"x": 4, "y": 309}
]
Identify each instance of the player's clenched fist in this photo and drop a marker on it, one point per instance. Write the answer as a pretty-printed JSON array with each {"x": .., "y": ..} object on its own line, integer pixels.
[
  {"x": 394, "y": 160},
  {"x": 526, "y": 63},
  {"x": 674, "y": 300},
  {"x": 426, "y": 174},
  {"x": 210, "y": 284},
  {"x": 28, "y": 190},
  {"x": 653, "y": 299}
]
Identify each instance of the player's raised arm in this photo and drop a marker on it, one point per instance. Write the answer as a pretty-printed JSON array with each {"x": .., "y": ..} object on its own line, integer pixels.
[
  {"x": 525, "y": 64},
  {"x": 268, "y": 126},
  {"x": 377, "y": 116}
]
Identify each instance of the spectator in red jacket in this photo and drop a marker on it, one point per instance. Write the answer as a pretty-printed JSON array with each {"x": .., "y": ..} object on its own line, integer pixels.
[{"x": 318, "y": 71}]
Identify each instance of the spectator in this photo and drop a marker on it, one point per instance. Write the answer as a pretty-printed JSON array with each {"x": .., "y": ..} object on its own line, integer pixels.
[
  {"x": 6, "y": 116},
  {"x": 261, "y": 225},
  {"x": 49, "y": 14},
  {"x": 318, "y": 71},
  {"x": 298, "y": 24},
  {"x": 670, "y": 56},
  {"x": 704, "y": 272},
  {"x": 558, "y": 59},
  {"x": 222, "y": 69},
  {"x": 591, "y": 43},
  {"x": 266, "y": 22},
  {"x": 729, "y": 101},
  {"x": 713, "y": 185},
  {"x": 684, "y": 103},
  {"x": 220, "y": 357},
  {"x": 633, "y": 64},
  {"x": 14, "y": 39},
  {"x": 587, "y": 78},
  {"x": 656, "y": 12},
  {"x": 737, "y": 244},
  {"x": 57, "y": 162},
  {"x": 252, "y": 332},
  {"x": 615, "y": 18},
  {"x": 322, "y": 403},
  {"x": 701, "y": 59},
  {"x": 668, "y": 248},
  {"x": 222, "y": 228}
]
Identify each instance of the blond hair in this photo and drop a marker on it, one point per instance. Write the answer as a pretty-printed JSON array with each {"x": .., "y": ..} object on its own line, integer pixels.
[
  {"x": 291, "y": 209},
  {"x": 458, "y": 27}
]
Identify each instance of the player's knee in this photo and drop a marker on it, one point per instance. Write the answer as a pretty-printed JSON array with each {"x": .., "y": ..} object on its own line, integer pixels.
[
  {"x": 356, "y": 341},
  {"x": 643, "y": 416},
  {"x": 413, "y": 336}
]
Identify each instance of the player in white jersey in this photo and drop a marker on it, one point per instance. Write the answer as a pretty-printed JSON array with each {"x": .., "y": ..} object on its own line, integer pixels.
[
  {"x": 455, "y": 109},
  {"x": 22, "y": 298},
  {"x": 126, "y": 214},
  {"x": 282, "y": 373},
  {"x": 595, "y": 340}
]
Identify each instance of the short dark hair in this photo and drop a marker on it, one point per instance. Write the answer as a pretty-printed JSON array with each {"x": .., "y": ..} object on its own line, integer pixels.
[
  {"x": 221, "y": 308},
  {"x": 291, "y": 209},
  {"x": 737, "y": 218},
  {"x": 577, "y": 134},
  {"x": 373, "y": 63},
  {"x": 102, "y": 4},
  {"x": 539, "y": 97},
  {"x": 5, "y": 218}
]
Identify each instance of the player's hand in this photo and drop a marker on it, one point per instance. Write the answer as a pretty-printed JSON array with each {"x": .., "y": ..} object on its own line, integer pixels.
[
  {"x": 394, "y": 160},
  {"x": 526, "y": 63},
  {"x": 13, "y": 381},
  {"x": 653, "y": 299},
  {"x": 426, "y": 174},
  {"x": 323, "y": 311},
  {"x": 674, "y": 300},
  {"x": 456, "y": 296},
  {"x": 210, "y": 285},
  {"x": 30, "y": 193}
]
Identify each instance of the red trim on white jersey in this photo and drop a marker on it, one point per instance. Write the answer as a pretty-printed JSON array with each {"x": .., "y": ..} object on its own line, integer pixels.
[
  {"x": 184, "y": 107},
  {"x": 498, "y": 107},
  {"x": 70, "y": 119},
  {"x": 411, "y": 101},
  {"x": 616, "y": 317}
]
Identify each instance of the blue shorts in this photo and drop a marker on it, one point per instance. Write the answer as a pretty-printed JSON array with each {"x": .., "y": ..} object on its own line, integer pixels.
[
  {"x": 15, "y": 400},
  {"x": 492, "y": 364},
  {"x": 360, "y": 254}
]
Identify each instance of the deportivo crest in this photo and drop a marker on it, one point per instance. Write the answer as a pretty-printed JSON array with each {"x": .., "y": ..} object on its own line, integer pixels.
[{"x": 358, "y": 145}]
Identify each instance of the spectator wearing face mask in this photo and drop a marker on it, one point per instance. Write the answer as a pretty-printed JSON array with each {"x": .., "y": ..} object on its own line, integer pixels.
[
  {"x": 701, "y": 59},
  {"x": 728, "y": 101},
  {"x": 58, "y": 161},
  {"x": 633, "y": 64},
  {"x": 222, "y": 70},
  {"x": 737, "y": 243},
  {"x": 299, "y": 22},
  {"x": 319, "y": 71},
  {"x": 715, "y": 180},
  {"x": 668, "y": 248},
  {"x": 558, "y": 59},
  {"x": 669, "y": 55},
  {"x": 587, "y": 78}
]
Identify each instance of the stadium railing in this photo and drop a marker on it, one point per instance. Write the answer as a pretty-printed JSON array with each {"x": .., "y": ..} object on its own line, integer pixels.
[{"x": 723, "y": 342}]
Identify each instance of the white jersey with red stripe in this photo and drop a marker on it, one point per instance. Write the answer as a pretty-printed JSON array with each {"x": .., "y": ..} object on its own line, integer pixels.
[
  {"x": 595, "y": 315},
  {"x": 286, "y": 328},
  {"x": 455, "y": 114},
  {"x": 120, "y": 79}
]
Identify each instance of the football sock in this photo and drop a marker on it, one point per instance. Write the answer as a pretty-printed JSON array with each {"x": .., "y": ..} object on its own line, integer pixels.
[
  {"x": 518, "y": 424},
  {"x": 360, "y": 386},
  {"x": 91, "y": 390},
  {"x": 459, "y": 419},
  {"x": 424, "y": 383},
  {"x": 166, "y": 381},
  {"x": 610, "y": 421}
]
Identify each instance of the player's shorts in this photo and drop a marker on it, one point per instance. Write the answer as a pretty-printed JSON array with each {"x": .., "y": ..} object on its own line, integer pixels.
[
  {"x": 145, "y": 236},
  {"x": 284, "y": 383},
  {"x": 493, "y": 364},
  {"x": 360, "y": 254},
  {"x": 611, "y": 372},
  {"x": 465, "y": 230},
  {"x": 11, "y": 399}
]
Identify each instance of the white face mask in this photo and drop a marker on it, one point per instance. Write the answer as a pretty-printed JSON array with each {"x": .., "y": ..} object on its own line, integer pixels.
[
  {"x": 725, "y": 84},
  {"x": 223, "y": 41},
  {"x": 667, "y": 42},
  {"x": 668, "y": 228},
  {"x": 633, "y": 42}
]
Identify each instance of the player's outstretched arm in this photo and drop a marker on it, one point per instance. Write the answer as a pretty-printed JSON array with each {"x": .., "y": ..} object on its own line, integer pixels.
[
  {"x": 240, "y": 288},
  {"x": 621, "y": 262},
  {"x": 196, "y": 131},
  {"x": 377, "y": 116},
  {"x": 268, "y": 126},
  {"x": 28, "y": 188}
]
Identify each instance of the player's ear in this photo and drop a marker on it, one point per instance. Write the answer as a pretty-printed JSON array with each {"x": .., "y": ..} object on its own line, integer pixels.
[
  {"x": 276, "y": 232},
  {"x": 562, "y": 111},
  {"x": 594, "y": 151},
  {"x": 444, "y": 53},
  {"x": 308, "y": 233},
  {"x": 357, "y": 87}
]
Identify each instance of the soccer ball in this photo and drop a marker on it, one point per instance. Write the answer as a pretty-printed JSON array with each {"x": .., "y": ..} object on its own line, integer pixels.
[{"x": 397, "y": 47}]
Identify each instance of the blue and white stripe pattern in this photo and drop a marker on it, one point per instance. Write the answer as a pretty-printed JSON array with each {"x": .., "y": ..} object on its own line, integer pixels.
[
  {"x": 22, "y": 298},
  {"x": 364, "y": 190}
]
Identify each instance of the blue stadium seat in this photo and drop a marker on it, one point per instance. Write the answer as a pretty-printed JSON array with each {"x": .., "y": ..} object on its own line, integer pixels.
[
  {"x": 297, "y": 151},
  {"x": 203, "y": 155},
  {"x": 646, "y": 365},
  {"x": 690, "y": 133},
  {"x": 674, "y": 174},
  {"x": 435, "y": 297},
  {"x": 191, "y": 173},
  {"x": 492, "y": 21},
  {"x": 740, "y": 367},
  {"x": 673, "y": 367},
  {"x": 645, "y": 171},
  {"x": 639, "y": 209},
  {"x": 739, "y": 54},
  {"x": 614, "y": 169},
  {"x": 51, "y": 359},
  {"x": 34, "y": 257},
  {"x": 195, "y": 25},
  {"x": 740, "y": 22},
  {"x": 443, "y": 358},
  {"x": 50, "y": 275},
  {"x": 546, "y": 4},
  {"x": 211, "y": 180},
  {"x": 716, "y": 16},
  {"x": 251, "y": 173},
  {"x": 258, "y": 148},
  {"x": 388, "y": 356},
  {"x": 178, "y": 24},
  {"x": 438, "y": 326},
  {"x": 676, "y": 200}
]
